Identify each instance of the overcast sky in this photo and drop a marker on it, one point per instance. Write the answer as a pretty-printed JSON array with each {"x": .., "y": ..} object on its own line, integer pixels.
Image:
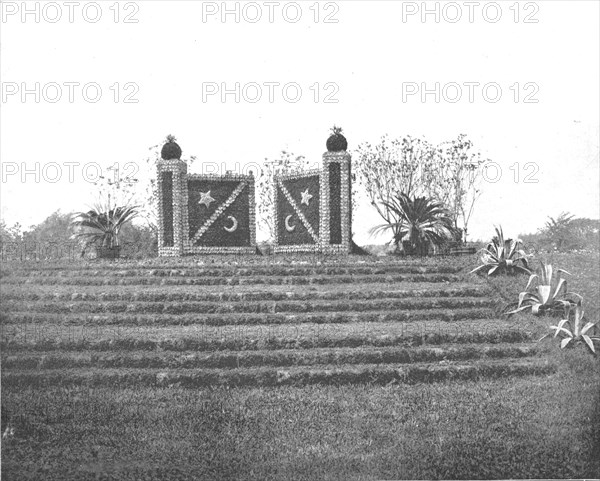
[{"x": 528, "y": 75}]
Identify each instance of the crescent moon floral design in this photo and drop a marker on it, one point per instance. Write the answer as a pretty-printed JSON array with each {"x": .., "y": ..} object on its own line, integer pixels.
[
  {"x": 288, "y": 227},
  {"x": 234, "y": 227}
]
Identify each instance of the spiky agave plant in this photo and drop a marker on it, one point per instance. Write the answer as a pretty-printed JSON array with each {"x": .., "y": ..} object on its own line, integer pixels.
[
  {"x": 503, "y": 256},
  {"x": 419, "y": 223},
  {"x": 571, "y": 331},
  {"x": 547, "y": 296}
]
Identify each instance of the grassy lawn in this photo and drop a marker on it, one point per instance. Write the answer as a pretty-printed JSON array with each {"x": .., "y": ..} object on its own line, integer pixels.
[
  {"x": 468, "y": 427},
  {"x": 541, "y": 427},
  {"x": 249, "y": 337}
]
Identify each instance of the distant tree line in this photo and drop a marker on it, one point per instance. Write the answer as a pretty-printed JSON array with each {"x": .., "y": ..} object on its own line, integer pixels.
[
  {"x": 53, "y": 239},
  {"x": 565, "y": 233}
]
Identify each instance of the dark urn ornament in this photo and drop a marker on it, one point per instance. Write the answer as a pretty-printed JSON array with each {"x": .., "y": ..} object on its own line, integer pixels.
[
  {"x": 170, "y": 150},
  {"x": 336, "y": 141}
]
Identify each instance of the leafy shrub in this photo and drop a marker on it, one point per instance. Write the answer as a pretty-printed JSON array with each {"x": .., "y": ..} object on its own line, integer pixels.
[
  {"x": 565, "y": 233},
  {"x": 450, "y": 173},
  {"x": 138, "y": 241}
]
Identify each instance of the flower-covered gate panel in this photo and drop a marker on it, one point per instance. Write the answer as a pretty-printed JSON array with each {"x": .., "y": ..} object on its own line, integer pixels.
[
  {"x": 297, "y": 203},
  {"x": 313, "y": 209},
  {"x": 218, "y": 213},
  {"x": 198, "y": 214}
]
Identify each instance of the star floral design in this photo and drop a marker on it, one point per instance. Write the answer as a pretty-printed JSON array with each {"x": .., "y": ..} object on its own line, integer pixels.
[
  {"x": 305, "y": 197},
  {"x": 206, "y": 199}
]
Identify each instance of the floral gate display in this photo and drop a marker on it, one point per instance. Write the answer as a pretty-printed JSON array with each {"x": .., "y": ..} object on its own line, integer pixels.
[
  {"x": 203, "y": 213},
  {"x": 313, "y": 209},
  {"x": 216, "y": 213}
]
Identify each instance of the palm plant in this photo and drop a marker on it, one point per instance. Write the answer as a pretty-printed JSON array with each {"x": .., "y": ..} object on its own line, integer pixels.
[
  {"x": 548, "y": 296},
  {"x": 102, "y": 225},
  {"x": 503, "y": 255},
  {"x": 418, "y": 223},
  {"x": 572, "y": 331}
]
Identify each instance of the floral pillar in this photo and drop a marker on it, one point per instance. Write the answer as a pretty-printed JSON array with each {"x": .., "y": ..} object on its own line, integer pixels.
[
  {"x": 336, "y": 211},
  {"x": 171, "y": 180}
]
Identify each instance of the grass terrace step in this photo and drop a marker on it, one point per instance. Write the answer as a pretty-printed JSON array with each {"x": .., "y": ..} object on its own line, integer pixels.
[
  {"x": 193, "y": 294},
  {"x": 255, "y": 307},
  {"x": 230, "y": 281},
  {"x": 224, "y": 319},
  {"x": 293, "y": 376},
  {"x": 46, "y": 337},
  {"x": 223, "y": 261},
  {"x": 248, "y": 359},
  {"x": 227, "y": 271}
]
